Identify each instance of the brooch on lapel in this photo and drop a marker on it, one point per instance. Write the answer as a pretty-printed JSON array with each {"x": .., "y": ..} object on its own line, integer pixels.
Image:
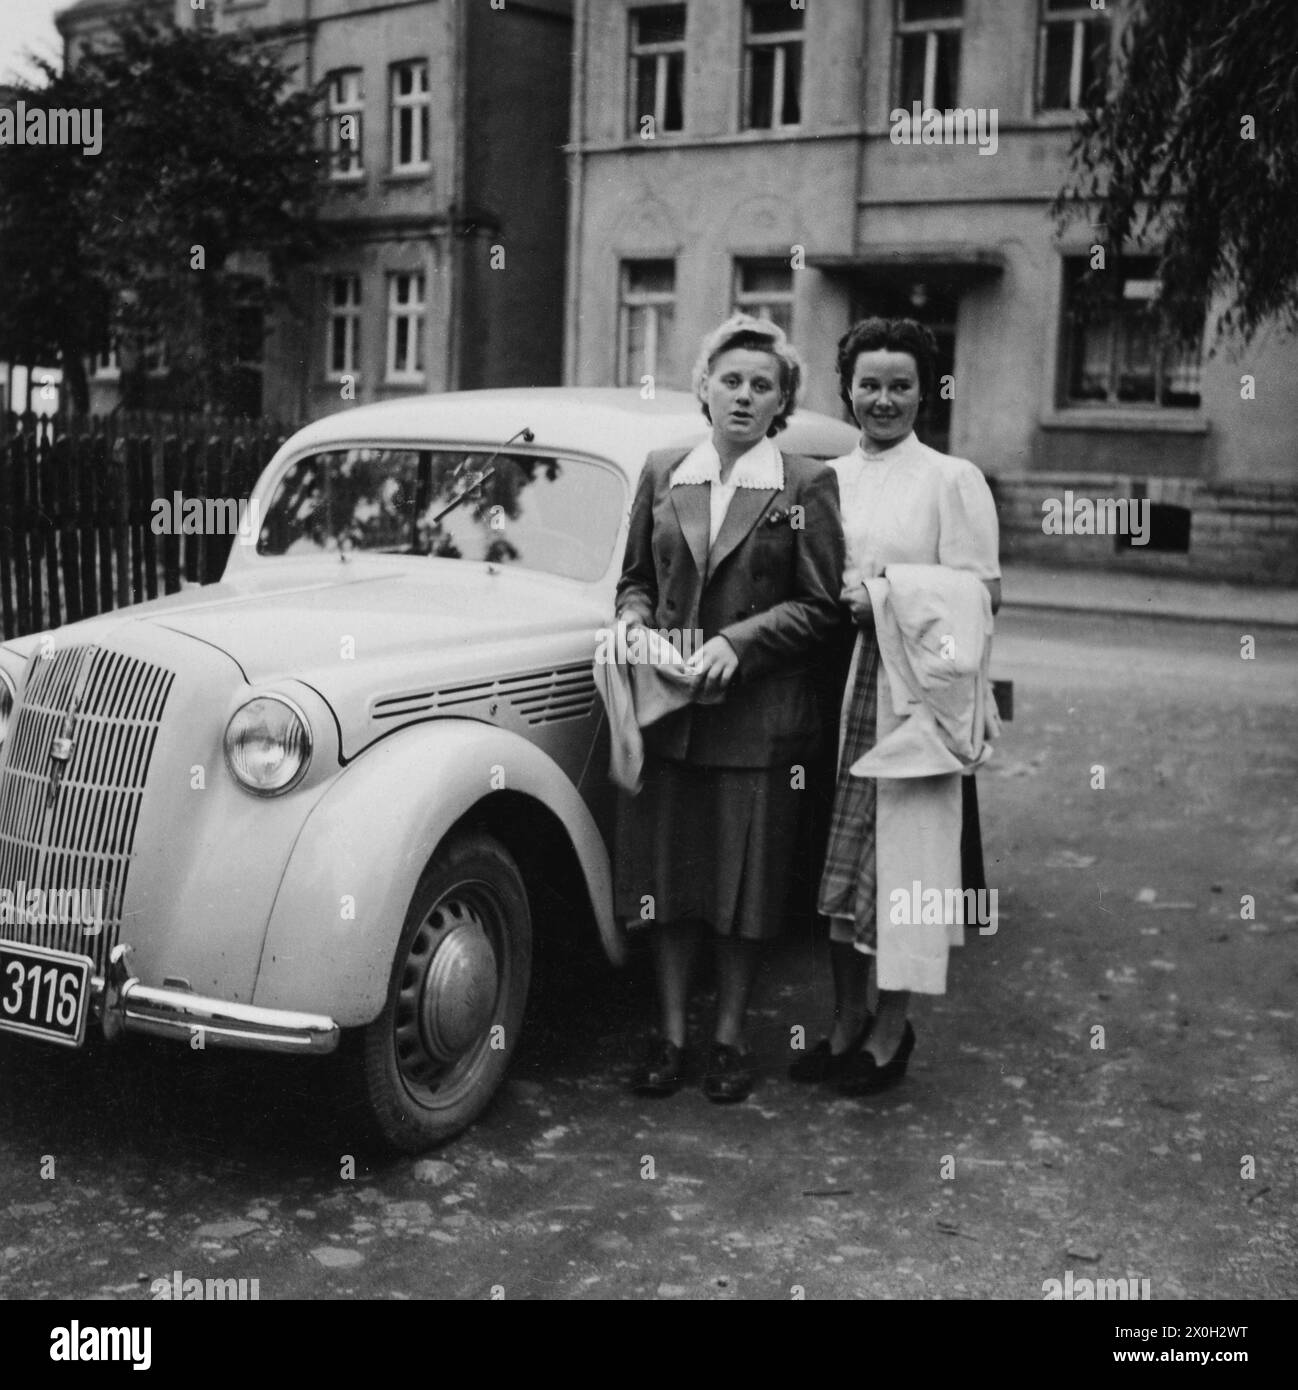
[{"x": 776, "y": 517}]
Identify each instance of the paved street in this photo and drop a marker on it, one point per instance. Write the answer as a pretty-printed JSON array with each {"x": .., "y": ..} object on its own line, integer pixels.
[{"x": 1016, "y": 1150}]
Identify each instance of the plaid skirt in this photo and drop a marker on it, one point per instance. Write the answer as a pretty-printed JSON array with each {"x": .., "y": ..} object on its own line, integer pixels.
[{"x": 848, "y": 885}]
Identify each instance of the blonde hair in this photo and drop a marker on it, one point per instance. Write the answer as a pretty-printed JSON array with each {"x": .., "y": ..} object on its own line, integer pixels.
[{"x": 758, "y": 335}]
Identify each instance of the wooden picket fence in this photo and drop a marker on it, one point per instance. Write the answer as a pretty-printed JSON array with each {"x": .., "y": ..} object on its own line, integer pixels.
[{"x": 76, "y": 507}]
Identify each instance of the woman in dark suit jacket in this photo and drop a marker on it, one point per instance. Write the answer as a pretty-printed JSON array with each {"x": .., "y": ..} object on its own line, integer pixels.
[{"x": 742, "y": 545}]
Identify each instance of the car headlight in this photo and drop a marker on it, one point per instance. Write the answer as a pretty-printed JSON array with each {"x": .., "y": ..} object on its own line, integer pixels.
[
  {"x": 8, "y": 696},
  {"x": 268, "y": 745}
]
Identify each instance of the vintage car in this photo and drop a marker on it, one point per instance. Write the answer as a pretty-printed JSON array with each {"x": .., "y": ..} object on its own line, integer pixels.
[{"x": 325, "y": 800}]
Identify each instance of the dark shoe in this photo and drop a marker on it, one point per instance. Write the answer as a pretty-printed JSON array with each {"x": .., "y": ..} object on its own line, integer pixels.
[
  {"x": 820, "y": 1064},
  {"x": 662, "y": 1073},
  {"x": 865, "y": 1077},
  {"x": 729, "y": 1076}
]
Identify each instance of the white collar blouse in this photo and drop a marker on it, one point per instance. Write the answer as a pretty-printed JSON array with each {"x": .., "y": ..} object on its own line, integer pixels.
[
  {"x": 761, "y": 467},
  {"x": 914, "y": 505}
]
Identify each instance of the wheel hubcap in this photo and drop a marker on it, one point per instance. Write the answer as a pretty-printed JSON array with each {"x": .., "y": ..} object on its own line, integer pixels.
[
  {"x": 459, "y": 995},
  {"x": 449, "y": 990}
]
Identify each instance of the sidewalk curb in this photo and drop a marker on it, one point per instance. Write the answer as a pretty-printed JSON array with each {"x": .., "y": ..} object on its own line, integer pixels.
[{"x": 1046, "y": 605}]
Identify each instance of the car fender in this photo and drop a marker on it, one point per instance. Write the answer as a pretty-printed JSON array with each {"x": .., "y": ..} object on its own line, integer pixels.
[{"x": 343, "y": 898}]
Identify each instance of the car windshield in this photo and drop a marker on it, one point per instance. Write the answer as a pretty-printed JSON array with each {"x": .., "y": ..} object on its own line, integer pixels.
[{"x": 557, "y": 515}]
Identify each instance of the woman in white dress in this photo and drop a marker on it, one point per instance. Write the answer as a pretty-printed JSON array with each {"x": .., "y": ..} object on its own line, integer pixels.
[{"x": 903, "y": 503}]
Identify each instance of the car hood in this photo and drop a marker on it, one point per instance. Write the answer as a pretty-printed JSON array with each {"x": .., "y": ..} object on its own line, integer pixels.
[
  {"x": 329, "y": 622},
  {"x": 381, "y": 642}
]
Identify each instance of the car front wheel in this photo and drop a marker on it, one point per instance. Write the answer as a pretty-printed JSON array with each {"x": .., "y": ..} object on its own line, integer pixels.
[{"x": 428, "y": 1065}]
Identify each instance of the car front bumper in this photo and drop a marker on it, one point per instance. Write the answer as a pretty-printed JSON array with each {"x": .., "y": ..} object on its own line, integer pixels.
[{"x": 125, "y": 1005}]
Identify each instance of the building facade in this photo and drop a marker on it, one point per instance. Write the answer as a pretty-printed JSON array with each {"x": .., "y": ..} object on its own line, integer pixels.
[
  {"x": 442, "y": 131},
  {"x": 783, "y": 157}
]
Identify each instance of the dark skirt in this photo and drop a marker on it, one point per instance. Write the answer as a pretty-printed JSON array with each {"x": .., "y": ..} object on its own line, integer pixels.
[
  {"x": 972, "y": 870},
  {"x": 709, "y": 844},
  {"x": 849, "y": 881}
]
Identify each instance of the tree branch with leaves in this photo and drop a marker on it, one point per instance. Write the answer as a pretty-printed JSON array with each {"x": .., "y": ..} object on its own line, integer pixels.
[
  {"x": 1196, "y": 152},
  {"x": 181, "y": 231}
]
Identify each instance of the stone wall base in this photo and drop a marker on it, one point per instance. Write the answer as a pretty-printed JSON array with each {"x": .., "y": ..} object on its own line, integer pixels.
[{"x": 1241, "y": 532}]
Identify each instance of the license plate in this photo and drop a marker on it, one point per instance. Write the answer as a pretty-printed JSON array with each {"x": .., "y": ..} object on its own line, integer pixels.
[{"x": 44, "y": 994}]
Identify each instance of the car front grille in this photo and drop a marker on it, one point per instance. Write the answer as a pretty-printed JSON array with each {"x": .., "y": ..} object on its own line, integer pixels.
[{"x": 71, "y": 782}]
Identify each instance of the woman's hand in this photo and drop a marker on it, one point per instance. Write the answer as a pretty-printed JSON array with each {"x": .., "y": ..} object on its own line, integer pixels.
[
  {"x": 715, "y": 663},
  {"x": 857, "y": 598}
]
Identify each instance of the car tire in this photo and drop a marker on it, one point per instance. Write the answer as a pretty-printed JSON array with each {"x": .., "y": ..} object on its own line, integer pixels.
[{"x": 433, "y": 1059}]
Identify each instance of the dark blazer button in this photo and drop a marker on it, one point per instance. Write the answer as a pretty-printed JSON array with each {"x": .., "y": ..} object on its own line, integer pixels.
[{"x": 669, "y": 606}]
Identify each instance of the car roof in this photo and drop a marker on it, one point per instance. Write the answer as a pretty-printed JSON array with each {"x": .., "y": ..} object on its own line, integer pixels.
[{"x": 610, "y": 422}]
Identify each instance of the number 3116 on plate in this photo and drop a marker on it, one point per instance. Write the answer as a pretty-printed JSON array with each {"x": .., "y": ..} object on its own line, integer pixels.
[{"x": 44, "y": 994}]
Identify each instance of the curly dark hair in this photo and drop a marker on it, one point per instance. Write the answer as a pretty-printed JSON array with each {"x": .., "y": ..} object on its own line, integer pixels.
[{"x": 888, "y": 335}]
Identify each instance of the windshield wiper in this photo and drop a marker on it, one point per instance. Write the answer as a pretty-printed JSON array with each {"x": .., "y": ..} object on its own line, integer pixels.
[
  {"x": 459, "y": 497},
  {"x": 525, "y": 434}
]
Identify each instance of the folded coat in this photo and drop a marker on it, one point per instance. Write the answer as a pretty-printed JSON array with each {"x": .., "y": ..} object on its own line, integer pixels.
[
  {"x": 639, "y": 691},
  {"x": 935, "y": 717},
  {"x": 934, "y": 629}
]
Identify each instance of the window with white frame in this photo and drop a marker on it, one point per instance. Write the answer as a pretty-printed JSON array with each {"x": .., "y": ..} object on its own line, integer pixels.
[
  {"x": 648, "y": 316},
  {"x": 928, "y": 53},
  {"x": 657, "y": 79},
  {"x": 764, "y": 289},
  {"x": 405, "y": 363},
  {"x": 344, "y": 343},
  {"x": 1115, "y": 351},
  {"x": 345, "y": 117},
  {"x": 772, "y": 65},
  {"x": 105, "y": 366},
  {"x": 1072, "y": 55},
  {"x": 145, "y": 352},
  {"x": 410, "y": 117},
  {"x": 153, "y": 356}
]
